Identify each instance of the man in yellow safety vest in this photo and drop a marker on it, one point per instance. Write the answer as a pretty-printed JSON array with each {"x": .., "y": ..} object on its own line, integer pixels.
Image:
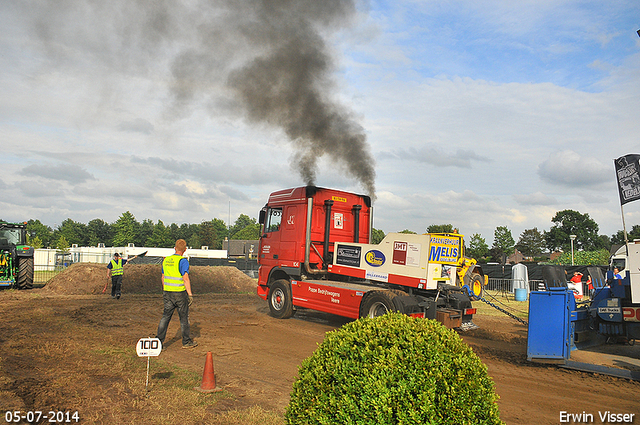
[
  {"x": 176, "y": 294},
  {"x": 115, "y": 271}
]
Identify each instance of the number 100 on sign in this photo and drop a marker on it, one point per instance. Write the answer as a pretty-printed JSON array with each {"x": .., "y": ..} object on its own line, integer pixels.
[{"x": 149, "y": 347}]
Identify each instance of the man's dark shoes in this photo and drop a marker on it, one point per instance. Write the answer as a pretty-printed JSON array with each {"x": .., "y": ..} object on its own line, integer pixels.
[{"x": 191, "y": 344}]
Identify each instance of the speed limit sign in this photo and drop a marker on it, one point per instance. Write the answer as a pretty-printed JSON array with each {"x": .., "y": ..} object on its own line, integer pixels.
[{"x": 149, "y": 347}]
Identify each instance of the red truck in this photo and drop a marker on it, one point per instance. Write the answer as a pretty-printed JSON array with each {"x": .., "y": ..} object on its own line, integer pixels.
[{"x": 315, "y": 252}]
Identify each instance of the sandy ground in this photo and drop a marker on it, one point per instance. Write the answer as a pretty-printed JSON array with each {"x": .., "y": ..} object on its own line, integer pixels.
[{"x": 256, "y": 356}]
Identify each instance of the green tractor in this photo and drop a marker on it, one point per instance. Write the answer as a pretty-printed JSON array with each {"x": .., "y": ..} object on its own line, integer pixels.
[{"x": 16, "y": 257}]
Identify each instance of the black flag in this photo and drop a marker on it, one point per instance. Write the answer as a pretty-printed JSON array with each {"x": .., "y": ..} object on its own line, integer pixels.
[{"x": 628, "y": 175}]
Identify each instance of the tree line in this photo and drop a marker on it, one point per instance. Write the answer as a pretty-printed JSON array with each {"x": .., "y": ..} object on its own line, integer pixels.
[
  {"x": 127, "y": 229},
  {"x": 589, "y": 247}
]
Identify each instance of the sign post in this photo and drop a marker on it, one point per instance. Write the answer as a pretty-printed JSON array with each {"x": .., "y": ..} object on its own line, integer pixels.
[
  {"x": 148, "y": 347},
  {"x": 628, "y": 177}
]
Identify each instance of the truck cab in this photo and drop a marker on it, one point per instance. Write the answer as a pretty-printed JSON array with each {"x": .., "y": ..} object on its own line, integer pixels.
[
  {"x": 300, "y": 227},
  {"x": 619, "y": 259}
]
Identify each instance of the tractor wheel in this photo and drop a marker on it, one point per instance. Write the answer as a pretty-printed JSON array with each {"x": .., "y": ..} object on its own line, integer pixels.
[
  {"x": 377, "y": 303},
  {"x": 477, "y": 286},
  {"x": 25, "y": 273},
  {"x": 280, "y": 302}
]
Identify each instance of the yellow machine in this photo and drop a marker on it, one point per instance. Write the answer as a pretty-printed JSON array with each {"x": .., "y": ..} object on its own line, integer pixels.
[{"x": 471, "y": 276}]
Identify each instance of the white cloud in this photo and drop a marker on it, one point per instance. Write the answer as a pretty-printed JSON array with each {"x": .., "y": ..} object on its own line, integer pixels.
[
  {"x": 192, "y": 187},
  {"x": 568, "y": 168},
  {"x": 537, "y": 198},
  {"x": 139, "y": 125},
  {"x": 478, "y": 115},
  {"x": 436, "y": 156},
  {"x": 66, "y": 172}
]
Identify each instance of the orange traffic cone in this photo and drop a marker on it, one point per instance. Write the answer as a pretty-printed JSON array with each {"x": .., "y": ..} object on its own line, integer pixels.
[{"x": 208, "y": 384}]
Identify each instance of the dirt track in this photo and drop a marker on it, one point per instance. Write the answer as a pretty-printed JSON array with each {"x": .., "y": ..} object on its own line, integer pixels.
[{"x": 256, "y": 356}]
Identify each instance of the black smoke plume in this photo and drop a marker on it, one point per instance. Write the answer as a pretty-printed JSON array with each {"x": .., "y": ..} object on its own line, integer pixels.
[{"x": 268, "y": 60}]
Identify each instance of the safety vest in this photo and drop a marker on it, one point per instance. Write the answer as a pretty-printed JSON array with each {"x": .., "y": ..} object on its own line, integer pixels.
[
  {"x": 116, "y": 268},
  {"x": 173, "y": 280}
]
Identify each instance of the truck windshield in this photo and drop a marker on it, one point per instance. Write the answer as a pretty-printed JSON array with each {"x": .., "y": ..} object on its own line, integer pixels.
[
  {"x": 618, "y": 263},
  {"x": 10, "y": 236}
]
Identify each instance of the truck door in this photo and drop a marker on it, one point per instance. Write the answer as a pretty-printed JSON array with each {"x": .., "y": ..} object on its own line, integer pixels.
[
  {"x": 289, "y": 236},
  {"x": 280, "y": 238}
]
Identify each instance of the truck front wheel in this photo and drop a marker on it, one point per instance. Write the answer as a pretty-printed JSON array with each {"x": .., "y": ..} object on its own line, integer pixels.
[
  {"x": 377, "y": 303},
  {"x": 477, "y": 286},
  {"x": 280, "y": 302}
]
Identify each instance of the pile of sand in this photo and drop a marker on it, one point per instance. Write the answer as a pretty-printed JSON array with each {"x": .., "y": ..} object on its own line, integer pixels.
[{"x": 86, "y": 278}]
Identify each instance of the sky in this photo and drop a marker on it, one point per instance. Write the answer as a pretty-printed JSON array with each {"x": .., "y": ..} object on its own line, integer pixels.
[{"x": 475, "y": 114}]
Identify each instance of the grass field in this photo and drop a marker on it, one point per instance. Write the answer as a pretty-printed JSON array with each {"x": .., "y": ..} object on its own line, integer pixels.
[
  {"x": 504, "y": 300},
  {"x": 93, "y": 368},
  {"x": 106, "y": 381}
]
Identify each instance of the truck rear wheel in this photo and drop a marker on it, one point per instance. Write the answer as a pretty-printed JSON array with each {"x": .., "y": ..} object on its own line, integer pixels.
[
  {"x": 25, "y": 273},
  {"x": 377, "y": 303},
  {"x": 280, "y": 302}
]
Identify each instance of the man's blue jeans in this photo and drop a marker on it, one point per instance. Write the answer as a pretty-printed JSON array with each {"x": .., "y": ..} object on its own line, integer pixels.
[
  {"x": 116, "y": 285},
  {"x": 175, "y": 301}
]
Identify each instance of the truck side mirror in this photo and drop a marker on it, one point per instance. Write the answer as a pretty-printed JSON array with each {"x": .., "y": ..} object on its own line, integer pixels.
[{"x": 261, "y": 216}]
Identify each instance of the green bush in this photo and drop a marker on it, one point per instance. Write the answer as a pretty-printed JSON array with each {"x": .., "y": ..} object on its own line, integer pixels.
[
  {"x": 393, "y": 370},
  {"x": 584, "y": 258}
]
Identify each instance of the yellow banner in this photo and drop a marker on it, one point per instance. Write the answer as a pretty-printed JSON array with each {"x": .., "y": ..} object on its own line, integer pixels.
[{"x": 444, "y": 249}]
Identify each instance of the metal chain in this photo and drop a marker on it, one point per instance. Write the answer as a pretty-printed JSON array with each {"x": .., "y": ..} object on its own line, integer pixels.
[{"x": 513, "y": 316}]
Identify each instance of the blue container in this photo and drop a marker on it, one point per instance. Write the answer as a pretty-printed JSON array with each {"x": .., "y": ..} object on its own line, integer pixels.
[
  {"x": 521, "y": 294},
  {"x": 550, "y": 334}
]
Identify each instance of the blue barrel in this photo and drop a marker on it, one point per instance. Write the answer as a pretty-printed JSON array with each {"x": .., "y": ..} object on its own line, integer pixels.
[{"x": 521, "y": 294}]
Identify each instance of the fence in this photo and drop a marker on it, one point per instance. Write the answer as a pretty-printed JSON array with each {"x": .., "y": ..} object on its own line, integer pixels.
[
  {"x": 44, "y": 273},
  {"x": 49, "y": 262},
  {"x": 508, "y": 285},
  {"x": 48, "y": 265}
]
